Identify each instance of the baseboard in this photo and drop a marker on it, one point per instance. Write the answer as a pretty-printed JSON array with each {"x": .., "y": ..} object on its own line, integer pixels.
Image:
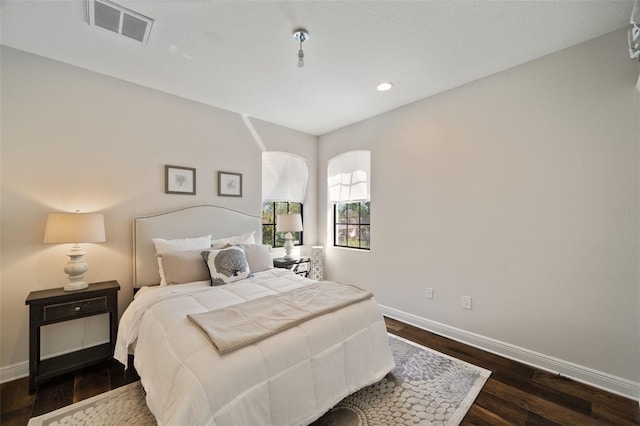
[
  {"x": 13, "y": 372},
  {"x": 608, "y": 382},
  {"x": 21, "y": 369}
]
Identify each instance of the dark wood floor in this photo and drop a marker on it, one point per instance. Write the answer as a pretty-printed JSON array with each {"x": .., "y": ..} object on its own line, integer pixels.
[
  {"x": 515, "y": 394},
  {"x": 17, "y": 406}
]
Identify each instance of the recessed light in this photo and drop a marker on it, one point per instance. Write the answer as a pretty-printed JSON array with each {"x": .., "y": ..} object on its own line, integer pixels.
[{"x": 383, "y": 87}]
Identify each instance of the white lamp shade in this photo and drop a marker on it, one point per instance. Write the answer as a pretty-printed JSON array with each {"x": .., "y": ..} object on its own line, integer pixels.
[
  {"x": 289, "y": 223},
  {"x": 74, "y": 228}
]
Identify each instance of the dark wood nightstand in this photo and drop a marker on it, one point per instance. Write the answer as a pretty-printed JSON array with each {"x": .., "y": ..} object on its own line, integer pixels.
[
  {"x": 56, "y": 305},
  {"x": 300, "y": 266}
]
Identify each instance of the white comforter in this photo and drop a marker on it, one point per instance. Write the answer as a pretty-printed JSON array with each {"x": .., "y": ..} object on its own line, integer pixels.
[{"x": 288, "y": 379}]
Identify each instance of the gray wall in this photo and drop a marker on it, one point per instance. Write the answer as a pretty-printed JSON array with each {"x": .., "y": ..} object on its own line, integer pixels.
[
  {"x": 520, "y": 190},
  {"x": 73, "y": 139}
]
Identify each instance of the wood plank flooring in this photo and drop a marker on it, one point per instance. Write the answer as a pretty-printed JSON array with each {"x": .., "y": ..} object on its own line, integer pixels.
[
  {"x": 515, "y": 394},
  {"x": 17, "y": 406}
]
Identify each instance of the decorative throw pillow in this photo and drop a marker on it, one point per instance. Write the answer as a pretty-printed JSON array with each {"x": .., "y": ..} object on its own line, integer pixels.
[
  {"x": 179, "y": 244},
  {"x": 248, "y": 238},
  {"x": 258, "y": 256},
  {"x": 227, "y": 265},
  {"x": 184, "y": 267}
]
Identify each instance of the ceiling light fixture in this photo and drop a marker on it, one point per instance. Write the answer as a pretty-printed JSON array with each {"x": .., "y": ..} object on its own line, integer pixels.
[
  {"x": 301, "y": 35},
  {"x": 383, "y": 87}
]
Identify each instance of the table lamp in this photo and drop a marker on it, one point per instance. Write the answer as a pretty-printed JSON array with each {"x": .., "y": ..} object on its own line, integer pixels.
[
  {"x": 74, "y": 228},
  {"x": 289, "y": 223}
]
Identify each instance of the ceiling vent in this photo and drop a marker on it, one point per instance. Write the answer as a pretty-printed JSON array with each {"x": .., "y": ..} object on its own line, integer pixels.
[{"x": 118, "y": 19}]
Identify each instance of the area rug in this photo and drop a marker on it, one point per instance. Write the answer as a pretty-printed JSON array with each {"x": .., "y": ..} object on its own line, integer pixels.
[
  {"x": 122, "y": 406},
  {"x": 425, "y": 388}
]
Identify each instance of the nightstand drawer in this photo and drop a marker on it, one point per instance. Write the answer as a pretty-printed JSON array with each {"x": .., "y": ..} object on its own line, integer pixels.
[{"x": 77, "y": 308}]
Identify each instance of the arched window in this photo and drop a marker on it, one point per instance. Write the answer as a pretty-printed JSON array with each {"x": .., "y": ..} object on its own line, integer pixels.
[
  {"x": 349, "y": 188},
  {"x": 284, "y": 186}
]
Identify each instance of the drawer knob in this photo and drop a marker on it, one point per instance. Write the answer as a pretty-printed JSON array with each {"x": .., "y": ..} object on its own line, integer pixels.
[{"x": 77, "y": 308}]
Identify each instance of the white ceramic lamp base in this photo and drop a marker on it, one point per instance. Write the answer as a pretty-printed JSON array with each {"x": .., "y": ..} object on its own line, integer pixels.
[
  {"x": 75, "y": 268},
  {"x": 288, "y": 246}
]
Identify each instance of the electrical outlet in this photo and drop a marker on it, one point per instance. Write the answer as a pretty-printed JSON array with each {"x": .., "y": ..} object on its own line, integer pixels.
[
  {"x": 466, "y": 302},
  {"x": 428, "y": 293}
]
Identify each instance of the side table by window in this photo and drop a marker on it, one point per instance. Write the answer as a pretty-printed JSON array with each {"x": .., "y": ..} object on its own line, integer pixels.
[{"x": 300, "y": 266}]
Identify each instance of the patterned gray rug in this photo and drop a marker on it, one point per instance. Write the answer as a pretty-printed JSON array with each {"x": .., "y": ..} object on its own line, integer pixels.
[
  {"x": 425, "y": 388},
  {"x": 122, "y": 406}
]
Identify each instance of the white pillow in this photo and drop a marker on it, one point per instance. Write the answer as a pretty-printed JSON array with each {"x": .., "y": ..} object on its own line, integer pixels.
[
  {"x": 258, "y": 256},
  {"x": 248, "y": 238},
  {"x": 180, "y": 244},
  {"x": 227, "y": 265}
]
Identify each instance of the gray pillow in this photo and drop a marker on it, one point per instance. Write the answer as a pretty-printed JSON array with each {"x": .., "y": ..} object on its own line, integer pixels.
[
  {"x": 258, "y": 256},
  {"x": 182, "y": 267}
]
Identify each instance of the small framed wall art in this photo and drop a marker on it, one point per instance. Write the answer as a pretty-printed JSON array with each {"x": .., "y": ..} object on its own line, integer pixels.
[
  {"x": 179, "y": 180},
  {"x": 229, "y": 184}
]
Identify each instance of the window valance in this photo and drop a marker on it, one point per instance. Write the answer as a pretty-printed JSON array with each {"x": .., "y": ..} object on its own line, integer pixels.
[
  {"x": 284, "y": 177},
  {"x": 349, "y": 177}
]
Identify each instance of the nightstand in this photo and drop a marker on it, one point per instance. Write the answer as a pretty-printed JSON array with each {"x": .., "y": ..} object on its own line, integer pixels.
[
  {"x": 300, "y": 266},
  {"x": 56, "y": 305}
]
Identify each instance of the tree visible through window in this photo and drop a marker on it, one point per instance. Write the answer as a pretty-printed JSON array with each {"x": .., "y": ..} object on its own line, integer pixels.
[
  {"x": 352, "y": 224},
  {"x": 270, "y": 212}
]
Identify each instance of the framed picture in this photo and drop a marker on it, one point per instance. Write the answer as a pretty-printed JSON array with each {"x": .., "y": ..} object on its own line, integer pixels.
[
  {"x": 229, "y": 184},
  {"x": 179, "y": 180}
]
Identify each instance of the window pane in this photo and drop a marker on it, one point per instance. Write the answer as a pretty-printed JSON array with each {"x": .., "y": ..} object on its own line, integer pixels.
[
  {"x": 295, "y": 208},
  {"x": 365, "y": 212},
  {"x": 267, "y": 234},
  {"x": 280, "y": 239},
  {"x": 281, "y": 208},
  {"x": 341, "y": 235},
  {"x": 267, "y": 212},
  {"x": 365, "y": 241},
  {"x": 342, "y": 213},
  {"x": 353, "y": 236},
  {"x": 353, "y": 213}
]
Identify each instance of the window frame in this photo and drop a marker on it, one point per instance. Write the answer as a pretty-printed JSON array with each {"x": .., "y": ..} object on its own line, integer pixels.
[
  {"x": 273, "y": 225},
  {"x": 359, "y": 224}
]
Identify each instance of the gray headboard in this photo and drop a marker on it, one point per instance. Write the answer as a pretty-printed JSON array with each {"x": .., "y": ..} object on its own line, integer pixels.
[{"x": 188, "y": 222}]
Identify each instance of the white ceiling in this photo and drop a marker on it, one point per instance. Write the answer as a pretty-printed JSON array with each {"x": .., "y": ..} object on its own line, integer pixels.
[{"x": 240, "y": 55}]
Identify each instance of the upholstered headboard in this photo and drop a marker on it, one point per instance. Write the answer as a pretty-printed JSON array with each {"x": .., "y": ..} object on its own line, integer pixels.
[{"x": 188, "y": 222}]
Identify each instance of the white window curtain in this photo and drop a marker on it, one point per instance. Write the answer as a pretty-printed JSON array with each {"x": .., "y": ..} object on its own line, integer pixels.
[
  {"x": 349, "y": 177},
  {"x": 284, "y": 177}
]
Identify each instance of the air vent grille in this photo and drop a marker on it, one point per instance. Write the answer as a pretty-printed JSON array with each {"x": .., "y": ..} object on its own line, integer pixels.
[{"x": 118, "y": 19}]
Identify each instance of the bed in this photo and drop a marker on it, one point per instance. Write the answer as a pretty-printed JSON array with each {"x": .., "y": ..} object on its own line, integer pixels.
[{"x": 289, "y": 378}]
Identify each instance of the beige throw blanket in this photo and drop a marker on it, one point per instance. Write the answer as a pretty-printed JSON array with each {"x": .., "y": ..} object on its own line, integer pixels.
[{"x": 236, "y": 326}]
